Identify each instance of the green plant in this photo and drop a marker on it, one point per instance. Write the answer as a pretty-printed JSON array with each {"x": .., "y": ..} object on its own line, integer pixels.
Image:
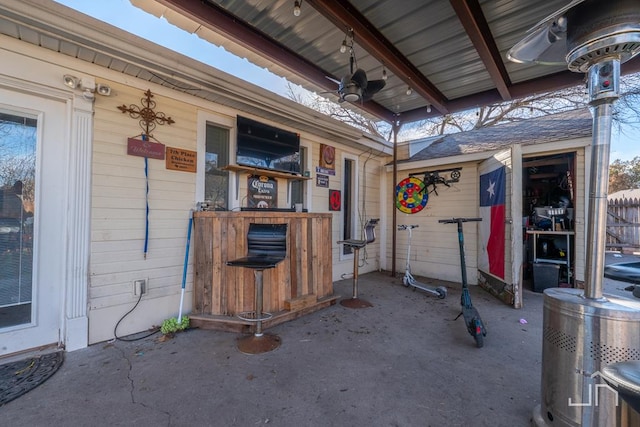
[{"x": 171, "y": 326}]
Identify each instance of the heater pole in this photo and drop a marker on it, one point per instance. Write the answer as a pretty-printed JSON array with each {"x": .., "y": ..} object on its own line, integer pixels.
[
  {"x": 598, "y": 189},
  {"x": 603, "y": 91}
]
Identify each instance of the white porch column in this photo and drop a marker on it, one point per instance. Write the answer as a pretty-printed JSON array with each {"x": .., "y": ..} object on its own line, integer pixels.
[{"x": 78, "y": 224}]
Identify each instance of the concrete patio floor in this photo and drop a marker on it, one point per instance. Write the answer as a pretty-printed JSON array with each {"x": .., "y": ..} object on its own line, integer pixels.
[{"x": 403, "y": 362}]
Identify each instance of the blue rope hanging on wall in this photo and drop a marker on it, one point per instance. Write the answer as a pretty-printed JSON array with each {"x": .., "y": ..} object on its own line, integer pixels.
[
  {"x": 146, "y": 198},
  {"x": 148, "y": 119}
]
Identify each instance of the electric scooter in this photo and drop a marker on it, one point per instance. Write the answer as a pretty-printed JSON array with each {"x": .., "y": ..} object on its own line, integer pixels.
[
  {"x": 472, "y": 319},
  {"x": 408, "y": 280}
]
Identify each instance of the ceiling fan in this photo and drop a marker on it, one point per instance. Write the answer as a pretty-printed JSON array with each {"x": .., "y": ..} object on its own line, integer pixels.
[{"x": 354, "y": 86}]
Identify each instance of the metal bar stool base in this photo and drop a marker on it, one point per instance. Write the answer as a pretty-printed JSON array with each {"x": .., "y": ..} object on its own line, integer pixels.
[
  {"x": 355, "y": 303},
  {"x": 256, "y": 344}
]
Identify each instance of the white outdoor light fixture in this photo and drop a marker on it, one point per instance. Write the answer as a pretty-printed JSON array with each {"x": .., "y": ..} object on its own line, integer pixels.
[
  {"x": 296, "y": 7},
  {"x": 103, "y": 89},
  {"x": 70, "y": 81},
  {"x": 87, "y": 85}
]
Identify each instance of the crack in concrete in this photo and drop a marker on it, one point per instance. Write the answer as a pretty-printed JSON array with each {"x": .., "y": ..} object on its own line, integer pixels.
[{"x": 132, "y": 387}]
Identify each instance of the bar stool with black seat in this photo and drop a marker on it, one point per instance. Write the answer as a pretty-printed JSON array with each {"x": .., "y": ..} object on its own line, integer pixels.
[
  {"x": 266, "y": 248},
  {"x": 356, "y": 245}
]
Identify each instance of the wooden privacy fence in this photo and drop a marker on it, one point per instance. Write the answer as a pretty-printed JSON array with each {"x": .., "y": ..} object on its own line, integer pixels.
[{"x": 623, "y": 224}]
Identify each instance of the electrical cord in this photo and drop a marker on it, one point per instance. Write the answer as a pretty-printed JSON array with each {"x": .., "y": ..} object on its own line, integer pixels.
[{"x": 115, "y": 329}]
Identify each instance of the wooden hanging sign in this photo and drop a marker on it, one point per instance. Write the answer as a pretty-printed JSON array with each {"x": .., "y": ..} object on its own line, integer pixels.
[
  {"x": 182, "y": 160},
  {"x": 139, "y": 147}
]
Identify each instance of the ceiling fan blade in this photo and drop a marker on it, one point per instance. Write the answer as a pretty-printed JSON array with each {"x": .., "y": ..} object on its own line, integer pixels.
[
  {"x": 336, "y": 81},
  {"x": 373, "y": 87},
  {"x": 344, "y": 83},
  {"x": 360, "y": 78}
]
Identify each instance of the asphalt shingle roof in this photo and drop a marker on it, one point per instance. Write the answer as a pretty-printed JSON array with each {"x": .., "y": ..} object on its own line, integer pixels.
[
  {"x": 556, "y": 127},
  {"x": 625, "y": 194}
]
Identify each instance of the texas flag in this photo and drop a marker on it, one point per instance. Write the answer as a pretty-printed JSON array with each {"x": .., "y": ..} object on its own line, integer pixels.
[{"x": 492, "y": 229}]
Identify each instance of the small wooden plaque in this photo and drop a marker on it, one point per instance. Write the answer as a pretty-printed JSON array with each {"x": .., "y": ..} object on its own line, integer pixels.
[{"x": 180, "y": 159}]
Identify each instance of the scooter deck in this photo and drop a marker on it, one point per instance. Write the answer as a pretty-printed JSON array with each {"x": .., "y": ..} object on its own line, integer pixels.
[
  {"x": 440, "y": 291},
  {"x": 470, "y": 314}
]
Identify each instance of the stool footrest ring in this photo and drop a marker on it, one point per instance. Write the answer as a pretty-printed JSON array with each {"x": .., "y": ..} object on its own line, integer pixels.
[{"x": 250, "y": 316}]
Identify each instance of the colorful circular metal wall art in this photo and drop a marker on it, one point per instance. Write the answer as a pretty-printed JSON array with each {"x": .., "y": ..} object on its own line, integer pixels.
[{"x": 411, "y": 196}]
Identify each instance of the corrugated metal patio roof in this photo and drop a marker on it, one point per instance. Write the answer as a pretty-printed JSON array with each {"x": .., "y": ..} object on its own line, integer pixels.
[
  {"x": 61, "y": 29},
  {"x": 451, "y": 53}
]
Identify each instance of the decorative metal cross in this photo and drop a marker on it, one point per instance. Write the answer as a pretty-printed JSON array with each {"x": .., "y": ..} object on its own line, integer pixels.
[{"x": 148, "y": 117}]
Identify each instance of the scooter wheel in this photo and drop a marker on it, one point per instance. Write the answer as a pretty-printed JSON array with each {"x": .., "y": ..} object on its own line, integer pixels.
[
  {"x": 479, "y": 340},
  {"x": 442, "y": 292},
  {"x": 478, "y": 333},
  {"x": 405, "y": 281}
]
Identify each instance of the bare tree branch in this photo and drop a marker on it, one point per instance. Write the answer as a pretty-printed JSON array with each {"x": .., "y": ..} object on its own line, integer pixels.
[{"x": 626, "y": 111}]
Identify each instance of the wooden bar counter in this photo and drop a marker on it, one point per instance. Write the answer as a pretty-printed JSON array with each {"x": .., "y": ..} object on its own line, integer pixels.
[{"x": 299, "y": 285}]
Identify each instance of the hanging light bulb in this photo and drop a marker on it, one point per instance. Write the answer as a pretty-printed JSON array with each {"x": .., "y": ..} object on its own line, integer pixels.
[
  {"x": 343, "y": 46},
  {"x": 428, "y": 108},
  {"x": 346, "y": 45},
  {"x": 409, "y": 90},
  {"x": 384, "y": 73},
  {"x": 296, "y": 7}
]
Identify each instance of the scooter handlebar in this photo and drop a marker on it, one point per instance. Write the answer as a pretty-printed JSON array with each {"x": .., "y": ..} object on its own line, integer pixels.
[
  {"x": 404, "y": 227},
  {"x": 455, "y": 220}
]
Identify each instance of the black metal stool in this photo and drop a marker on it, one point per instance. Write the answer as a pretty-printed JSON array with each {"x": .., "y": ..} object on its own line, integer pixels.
[
  {"x": 356, "y": 245},
  {"x": 267, "y": 246}
]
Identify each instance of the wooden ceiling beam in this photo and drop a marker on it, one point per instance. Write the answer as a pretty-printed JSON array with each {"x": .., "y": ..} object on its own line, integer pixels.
[
  {"x": 549, "y": 83},
  {"x": 343, "y": 15},
  {"x": 211, "y": 16},
  {"x": 475, "y": 24}
]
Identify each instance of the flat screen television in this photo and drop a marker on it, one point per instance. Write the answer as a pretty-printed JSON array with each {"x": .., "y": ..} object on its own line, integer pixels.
[{"x": 262, "y": 146}]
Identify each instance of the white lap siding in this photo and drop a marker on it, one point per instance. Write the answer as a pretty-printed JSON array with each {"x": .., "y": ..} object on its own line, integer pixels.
[{"x": 118, "y": 217}]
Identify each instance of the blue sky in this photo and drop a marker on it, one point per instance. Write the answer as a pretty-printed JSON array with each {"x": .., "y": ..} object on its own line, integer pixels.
[{"x": 121, "y": 14}]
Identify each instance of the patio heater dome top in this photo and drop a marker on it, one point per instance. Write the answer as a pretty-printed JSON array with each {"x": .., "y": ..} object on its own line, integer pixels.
[{"x": 581, "y": 34}]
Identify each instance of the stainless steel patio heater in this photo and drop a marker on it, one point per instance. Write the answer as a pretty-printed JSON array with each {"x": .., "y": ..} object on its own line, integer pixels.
[{"x": 586, "y": 330}]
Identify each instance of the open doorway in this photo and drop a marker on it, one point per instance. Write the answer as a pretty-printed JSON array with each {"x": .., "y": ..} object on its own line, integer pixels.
[{"x": 549, "y": 192}]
